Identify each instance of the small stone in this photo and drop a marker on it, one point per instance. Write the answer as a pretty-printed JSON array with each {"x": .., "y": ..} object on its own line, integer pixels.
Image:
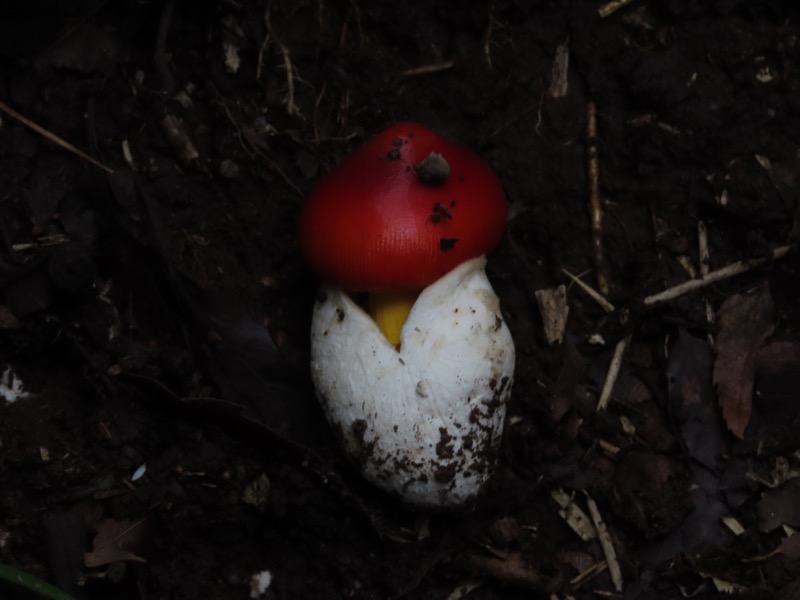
[{"x": 229, "y": 169}]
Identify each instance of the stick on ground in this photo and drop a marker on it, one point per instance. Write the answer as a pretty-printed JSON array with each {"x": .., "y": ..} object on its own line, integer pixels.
[
  {"x": 611, "y": 7},
  {"x": 613, "y": 373},
  {"x": 606, "y": 543},
  {"x": 725, "y": 272},
  {"x": 595, "y": 207},
  {"x": 52, "y": 137}
]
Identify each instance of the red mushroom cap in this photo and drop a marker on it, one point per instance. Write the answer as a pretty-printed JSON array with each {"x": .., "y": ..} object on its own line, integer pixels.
[{"x": 383, "y": 220}]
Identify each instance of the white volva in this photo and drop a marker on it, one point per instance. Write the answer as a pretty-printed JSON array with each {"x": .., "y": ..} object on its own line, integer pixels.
[{"x": 424, "y": 422}]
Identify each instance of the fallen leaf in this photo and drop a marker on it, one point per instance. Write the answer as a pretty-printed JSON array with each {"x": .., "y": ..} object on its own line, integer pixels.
[
  {"x": 642, "y": 471},
  {"x": 745, "y": 320},
  {"x": 511, "y": 568},
  {"x": 691, "y": 398},
  {"x": 790, "y": 547},
  {"x": 791, "y": 591},
  {"x": 109, "y": 555},
  {"x": 555, "y": 310},
  {"x": 780, "y": 506},
  {"x": 701, "y": 531},
  {"x": 573, "y": 369},
  {"x": 118, "y": 541}
]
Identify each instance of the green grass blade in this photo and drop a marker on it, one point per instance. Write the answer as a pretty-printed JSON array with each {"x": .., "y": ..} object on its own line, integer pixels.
[{"x": 34, "y": 584}]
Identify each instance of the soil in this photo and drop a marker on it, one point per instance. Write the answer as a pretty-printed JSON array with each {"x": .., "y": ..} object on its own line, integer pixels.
[{"x": 159, "y": 435}]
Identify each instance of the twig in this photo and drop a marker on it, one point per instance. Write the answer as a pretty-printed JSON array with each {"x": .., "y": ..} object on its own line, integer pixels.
[
  {"x": 595, "y": 207},
  {"x": 52, "y": 137},
  {"x": 275, "y": 167},
  {"x": 160, "y": 54},
  {"x": 487, "y": 40},
  {"x": 572, "y": 514},
  {"x": 291, "y": 108},
  {"x": 605, "y": 542},
  {"x": 42, "y": 242},
  {"x": 127, "y": 155},
  {"x": 612, "y": 7},
  {"x": 427, "y": 69},
  {"x": 360, "y": 27},
  {"x": 711, "y": 277},
  {"x": 239, "y": 136},
  {"x": 595, "y": 295},
  {"x": 315, "y": 118},
  {"x": 589, "y": 573},
  {"x": 613, "y": 373},
  {"x": 708, "y": 278},
  {"x": 464, "y": 588},
  {"x": 704, "y": 256},
  {"x": 619, "y": 351}
]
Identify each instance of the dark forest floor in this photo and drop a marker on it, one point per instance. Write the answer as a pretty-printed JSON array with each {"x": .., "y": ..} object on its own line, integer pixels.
[{"x": 157, "y": 317}]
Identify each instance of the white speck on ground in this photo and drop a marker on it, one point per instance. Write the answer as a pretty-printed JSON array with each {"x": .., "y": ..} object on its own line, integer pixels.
[
  {"x": 259, "y": 584},
  {"x": 11, "y": 386}
]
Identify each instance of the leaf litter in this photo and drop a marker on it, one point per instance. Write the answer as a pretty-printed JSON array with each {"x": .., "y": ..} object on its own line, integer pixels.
[
  {"x": 184, "y": 362},
  {"x": 745, "y": 322}
]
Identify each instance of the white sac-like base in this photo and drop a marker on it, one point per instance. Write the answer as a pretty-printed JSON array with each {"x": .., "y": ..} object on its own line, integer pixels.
[{"x": 425, "y": 422}]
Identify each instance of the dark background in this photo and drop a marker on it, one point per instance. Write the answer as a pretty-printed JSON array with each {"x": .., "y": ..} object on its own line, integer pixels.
[{"x": 159, "y": 314}]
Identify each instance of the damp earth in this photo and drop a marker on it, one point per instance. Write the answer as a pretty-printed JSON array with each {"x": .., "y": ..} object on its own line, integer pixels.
[{"x": 159, "y": 435}]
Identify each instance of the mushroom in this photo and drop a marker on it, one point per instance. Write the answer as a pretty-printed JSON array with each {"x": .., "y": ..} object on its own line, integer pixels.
[
  {"x": 397, "y": 214},
  {"x": 410, "y": 357}
]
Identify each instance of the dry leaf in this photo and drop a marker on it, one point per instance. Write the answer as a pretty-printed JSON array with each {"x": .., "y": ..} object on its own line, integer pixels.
[
  {"x": 555, "y": 310},
  {"x": 108, "y": 555},
  {"x": 118, "y": 541},
  {"x": 780, "y": 506},
  {"x": 790, "y": 547},
  {"x": 745, "y": 320},
  {"x": 790, "y": 592},
  {"x": 692, "y": 399}
]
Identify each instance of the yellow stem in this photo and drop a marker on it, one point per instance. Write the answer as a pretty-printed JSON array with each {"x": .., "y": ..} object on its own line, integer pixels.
[{"x": 390, "y": 311}]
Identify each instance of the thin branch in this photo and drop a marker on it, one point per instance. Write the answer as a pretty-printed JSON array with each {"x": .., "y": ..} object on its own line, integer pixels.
[
  {"x": 595, "y": 207},
  {"x": 595, "y": 295},
  {"x": 611, "y": 7},
  {"x": 711, "y": 277},
  {"x": 606, "y": 543},
  {"x": 704, "y": 256},
  {"x": 291, "y": 108},
  {"x": 52, "y": 137},
  {"x": 427, "y": 69},
  {"x": 613, "y": 373}
]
